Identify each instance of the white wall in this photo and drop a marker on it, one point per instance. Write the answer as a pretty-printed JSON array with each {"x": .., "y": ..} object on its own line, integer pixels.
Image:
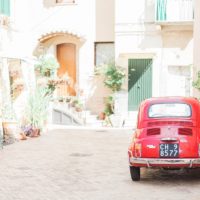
[
  {"x": 105, "y": 18},
  {"x": 196, "y": 66},
  {"x": 38, "y": 17},
  {"x": 89, "y": 20},
  {"x": 138, "y": 36}
]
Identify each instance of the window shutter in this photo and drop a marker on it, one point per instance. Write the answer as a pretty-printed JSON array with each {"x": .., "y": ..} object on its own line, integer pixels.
[
  {"x": 6, "y": 7},
  {"x": 1, "y": 6}
]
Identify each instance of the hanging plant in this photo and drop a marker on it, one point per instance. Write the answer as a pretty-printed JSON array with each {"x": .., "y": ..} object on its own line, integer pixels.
[{"x": 47, "y": 65}]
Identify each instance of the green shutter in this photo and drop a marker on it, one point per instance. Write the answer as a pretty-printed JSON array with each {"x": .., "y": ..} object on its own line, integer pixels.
[
  {"x": 161, "y": 12},
  {"x": 5, "y": 7},
  {"x": 139, "y": 82},
  {"x": 1, "y": 6}
]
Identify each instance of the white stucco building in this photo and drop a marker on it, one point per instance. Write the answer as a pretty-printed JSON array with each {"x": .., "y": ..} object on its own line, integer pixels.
[
  {"x": 154, "y": 42},
  {"x": 151, "y": 39},
  {"x": 196, "y": 66},
  {"x": 75, "y": 32}
]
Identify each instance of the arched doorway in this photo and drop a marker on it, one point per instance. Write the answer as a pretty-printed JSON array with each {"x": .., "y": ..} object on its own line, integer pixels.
[
  {"x": 66, "y": 56},
  {"x": 65, "y": 46}
]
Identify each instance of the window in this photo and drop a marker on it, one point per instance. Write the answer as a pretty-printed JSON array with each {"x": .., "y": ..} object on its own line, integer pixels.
[
  {"x": 65, "y": 1},
  {"x": 5, "y": 7},
  {"x": 104, "y": 52},
  {"x": 16, "y": 77},
  {"x": 170, "y": 110}
]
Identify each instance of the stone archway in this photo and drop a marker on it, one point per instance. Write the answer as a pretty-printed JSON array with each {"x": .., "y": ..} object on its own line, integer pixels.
[{"x": 65, "y": 47}]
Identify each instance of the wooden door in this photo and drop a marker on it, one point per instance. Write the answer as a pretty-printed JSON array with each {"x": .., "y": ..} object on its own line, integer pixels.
[{"x": 66, "y": 55}]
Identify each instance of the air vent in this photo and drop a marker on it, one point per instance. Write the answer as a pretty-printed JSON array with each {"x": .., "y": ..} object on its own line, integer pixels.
[
  {"x": 175, "y": 123},
  {"x": 153, "y": 131},
  {"x": 185, "y": 131}
]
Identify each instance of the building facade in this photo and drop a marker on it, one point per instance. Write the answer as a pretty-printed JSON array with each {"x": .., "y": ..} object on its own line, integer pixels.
[
  {"x": 154, "y": 43},
  {"x": 151, "y": 39},
  {"x": 75, "y": 32},
  {"x": 196, "y": 66}
]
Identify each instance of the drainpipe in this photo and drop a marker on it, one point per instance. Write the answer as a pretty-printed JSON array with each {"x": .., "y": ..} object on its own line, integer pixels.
[
  {"x": 6, "y": 96},
  {"x": 27, "y": 67},
  {"x": 1, "y": 101},
  {"x": 196, "y": 43}
]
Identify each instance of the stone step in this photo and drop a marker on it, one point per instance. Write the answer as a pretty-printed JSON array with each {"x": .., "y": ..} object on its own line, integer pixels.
[{"x": 93, "y": 124}]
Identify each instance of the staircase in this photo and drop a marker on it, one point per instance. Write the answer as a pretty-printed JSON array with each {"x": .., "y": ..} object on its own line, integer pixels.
[{"x": 63, "y": 114}]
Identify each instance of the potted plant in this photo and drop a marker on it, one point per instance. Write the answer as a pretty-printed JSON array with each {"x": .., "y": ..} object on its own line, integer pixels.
[
  {"x": 196, "y": 83},
  {"x": 73, "y": 102},
  {"x": 9, "y": 123},
  {"x": 78, "y": 106},
  {"x": 114, "y": 77},
  {"x": 68, "y": 99},
  {"x": 61, "y": 99},
  {"x": 36, "y": 111},
  {"x": 101, "y": 116}
]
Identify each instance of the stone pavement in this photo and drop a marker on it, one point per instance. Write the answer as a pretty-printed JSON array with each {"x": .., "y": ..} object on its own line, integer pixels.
[{"x": 85, "y": 165}]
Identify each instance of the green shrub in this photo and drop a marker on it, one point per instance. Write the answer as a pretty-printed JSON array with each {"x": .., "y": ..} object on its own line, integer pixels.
[
  {"x": 196, "y": 84},
  {"x": 114, "y": 76},
  {"x": 37, "y": 108}
]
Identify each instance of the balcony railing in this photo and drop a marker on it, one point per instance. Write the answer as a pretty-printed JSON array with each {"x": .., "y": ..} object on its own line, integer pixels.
[{"x": 174, "y": 11}]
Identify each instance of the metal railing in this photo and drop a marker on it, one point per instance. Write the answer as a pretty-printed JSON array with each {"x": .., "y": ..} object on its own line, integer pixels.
[{"x": 174, "y": 10}]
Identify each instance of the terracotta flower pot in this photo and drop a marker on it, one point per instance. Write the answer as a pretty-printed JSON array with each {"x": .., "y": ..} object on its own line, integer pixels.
[
  {"x": 35, "y": 132},
  {"x": 22, "y": 136},
  {"x": 10, "y": 131},
  {"x": 102, "y": 116},
  {"x": 78, "y": 109}
]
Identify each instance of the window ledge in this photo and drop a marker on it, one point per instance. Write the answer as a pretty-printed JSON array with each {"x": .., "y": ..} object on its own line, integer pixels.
[{"x": 65, "y": 3}]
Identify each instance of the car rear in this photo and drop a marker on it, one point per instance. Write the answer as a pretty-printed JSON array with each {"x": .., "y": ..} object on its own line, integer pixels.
[{"x": 168, "y": 137}]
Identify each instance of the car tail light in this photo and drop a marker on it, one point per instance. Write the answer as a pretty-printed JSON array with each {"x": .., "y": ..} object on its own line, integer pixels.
[
  {"x": 138, "y": 150},
  {"x": 185, "y": 131},
  {"x": 153, "y": 131}
]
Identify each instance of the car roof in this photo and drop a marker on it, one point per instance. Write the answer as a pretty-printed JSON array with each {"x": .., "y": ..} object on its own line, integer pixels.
[{"x": 190, "y": 100}]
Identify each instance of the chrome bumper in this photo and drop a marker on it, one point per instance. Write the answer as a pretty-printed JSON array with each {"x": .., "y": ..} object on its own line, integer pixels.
[{"x": 151, "y": 162}]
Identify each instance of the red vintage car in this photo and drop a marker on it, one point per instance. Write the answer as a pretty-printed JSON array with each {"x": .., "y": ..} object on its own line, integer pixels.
[{"x": 167, "y": 135}]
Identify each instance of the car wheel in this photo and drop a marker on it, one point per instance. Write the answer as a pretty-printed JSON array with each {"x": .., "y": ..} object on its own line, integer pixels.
[{"x": 135, "y": 173}]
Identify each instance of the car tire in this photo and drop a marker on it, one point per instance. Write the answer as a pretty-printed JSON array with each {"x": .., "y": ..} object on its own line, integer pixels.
[{"x": 135, "y": 173}]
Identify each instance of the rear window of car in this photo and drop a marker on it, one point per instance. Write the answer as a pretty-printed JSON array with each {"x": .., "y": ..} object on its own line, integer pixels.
[{"x": 169, "y": 110}]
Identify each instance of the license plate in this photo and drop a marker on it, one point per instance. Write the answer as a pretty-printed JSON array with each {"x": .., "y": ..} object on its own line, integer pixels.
[{"x": 169, "y": 150}]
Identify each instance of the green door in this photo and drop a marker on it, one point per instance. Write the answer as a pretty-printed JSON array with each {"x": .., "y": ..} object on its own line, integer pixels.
[{"x": 139, "y": 82}]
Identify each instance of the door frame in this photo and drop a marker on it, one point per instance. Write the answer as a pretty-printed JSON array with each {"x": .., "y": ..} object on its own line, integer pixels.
[
  {"x": 122, "y": 61},
  {"x": 50, "y": 46}
]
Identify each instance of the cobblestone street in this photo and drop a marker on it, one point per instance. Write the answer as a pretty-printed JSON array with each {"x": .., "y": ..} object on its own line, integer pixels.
[{"x": 85, "y": 165}]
